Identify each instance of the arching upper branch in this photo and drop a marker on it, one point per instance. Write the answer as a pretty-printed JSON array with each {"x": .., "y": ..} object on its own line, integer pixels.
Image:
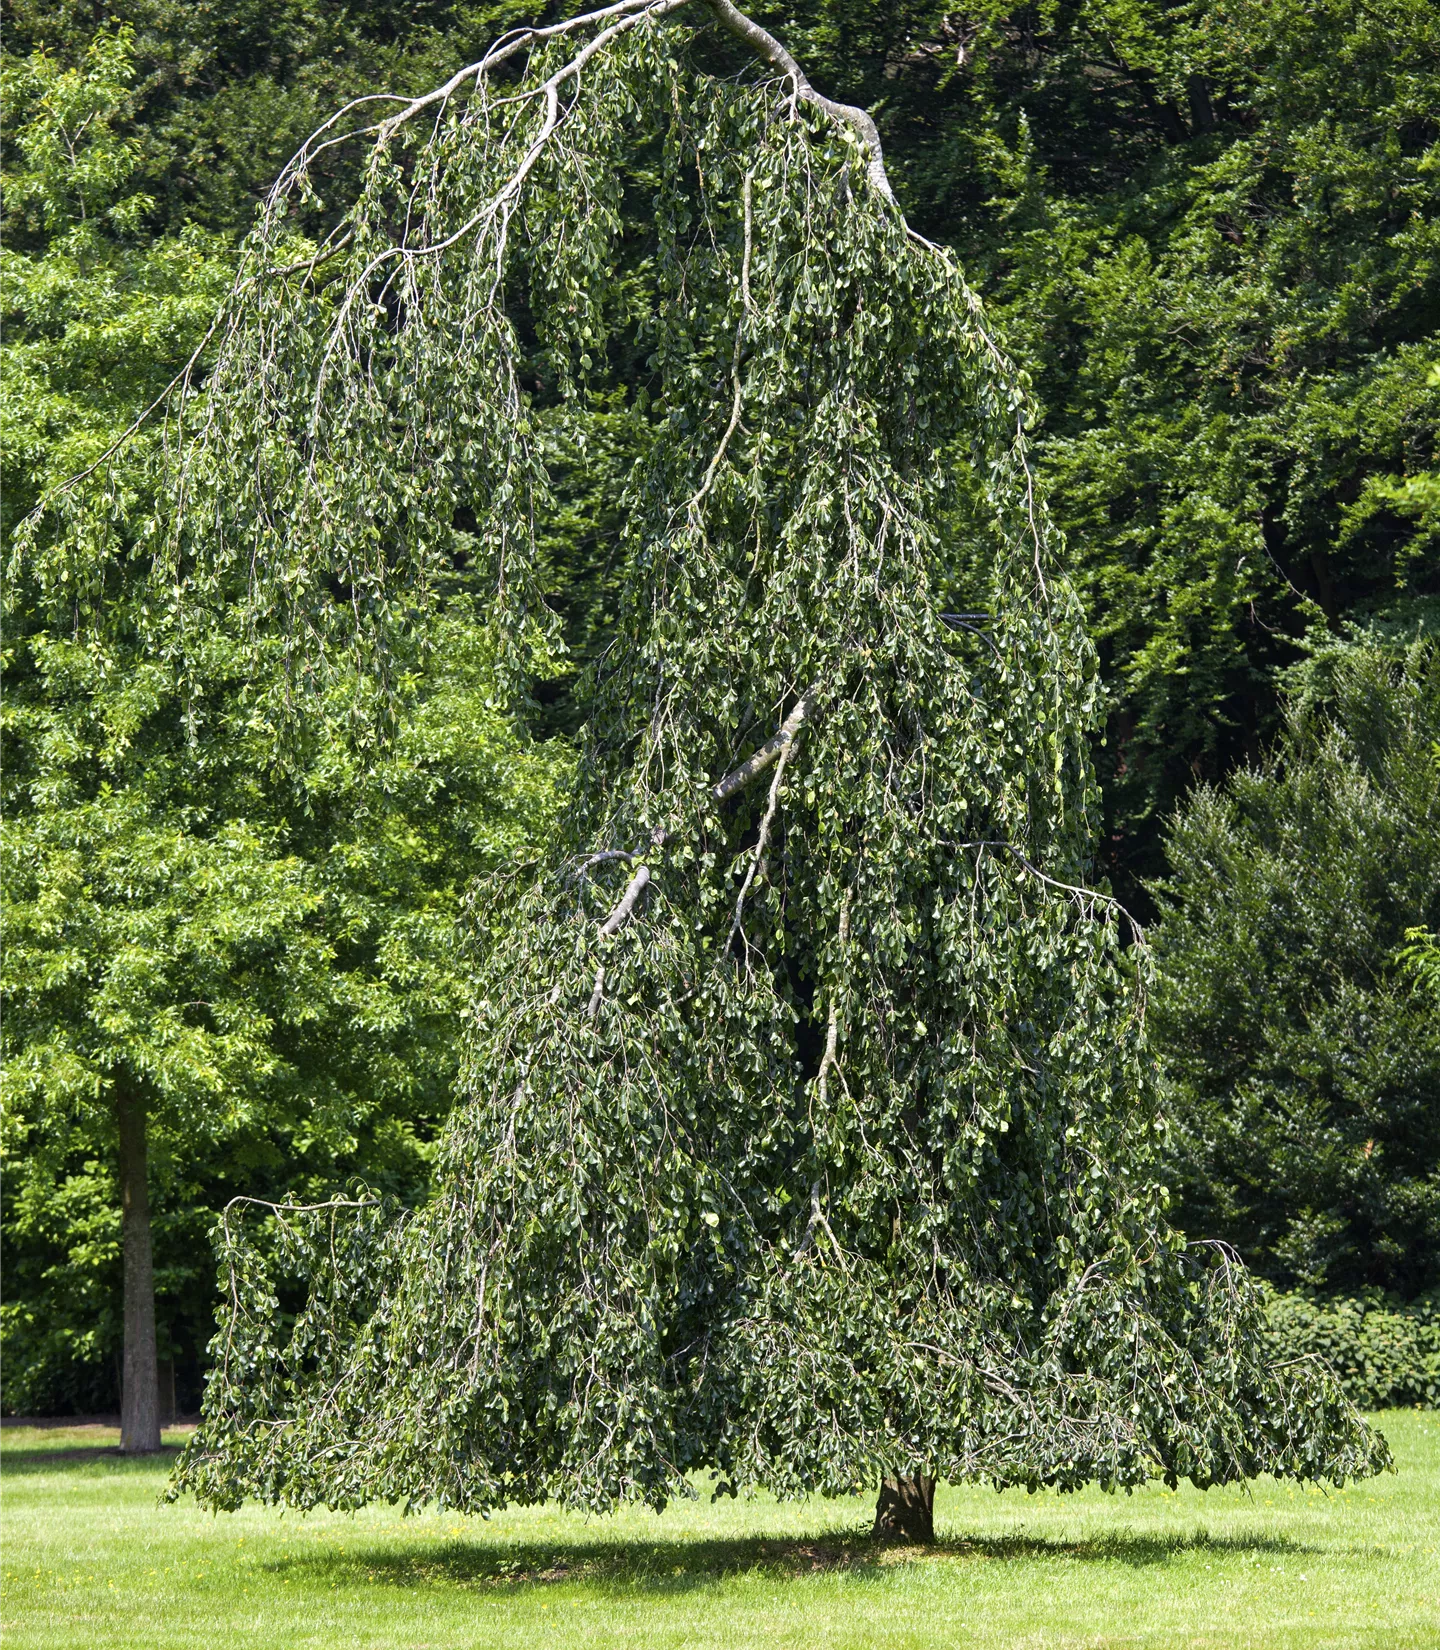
[
  {"x": 610, "y": 21},
  {"x": 766, "y": 46},
  {"x": 619, "y": 17}
]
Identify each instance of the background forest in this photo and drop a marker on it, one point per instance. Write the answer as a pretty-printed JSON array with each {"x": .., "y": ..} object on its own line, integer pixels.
[{"x": 1209, "y": 229}]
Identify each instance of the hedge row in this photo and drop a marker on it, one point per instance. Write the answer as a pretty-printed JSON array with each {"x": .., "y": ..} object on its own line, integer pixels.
[{"x": 1386, "y": 1351}]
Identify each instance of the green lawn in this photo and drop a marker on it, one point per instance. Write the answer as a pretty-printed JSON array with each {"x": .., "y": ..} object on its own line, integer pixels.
[{"x": 91, "y": 1562}]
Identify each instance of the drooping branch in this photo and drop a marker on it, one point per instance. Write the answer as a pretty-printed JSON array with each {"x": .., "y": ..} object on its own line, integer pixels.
[
  {"x": 738, "y": 778},
  {"x": 518, "y": 41},
  {"x": 628, "y": 901},
  {"x": 238, "y": 364},
  {"x": 734, "y": 781},
  {"x": 766, "y": 46},
  {"x": 829, "y": 1061},
  {"x": 734, "y": 21},
  {"x": 619, "y": 18},
  {"x": 762, "y": 842},
  {"x": 509, "y": 46},
  {"x": 1087, "y": 896}
]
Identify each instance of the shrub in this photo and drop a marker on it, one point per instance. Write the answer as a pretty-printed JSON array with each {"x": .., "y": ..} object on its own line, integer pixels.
[{"x": 1385, "y": 1351}]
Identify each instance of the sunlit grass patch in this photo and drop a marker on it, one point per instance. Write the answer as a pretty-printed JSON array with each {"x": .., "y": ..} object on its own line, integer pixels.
[{"x": 91, "y": 1559}]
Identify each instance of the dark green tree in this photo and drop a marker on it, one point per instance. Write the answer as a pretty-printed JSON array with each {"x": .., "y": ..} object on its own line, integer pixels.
[
  {"x": 809, "y": 1133},
  {"x": 1208, "y": 229},
  {"x": 1296, "y": 1012},
  {"x": 1234, "y": 334}
]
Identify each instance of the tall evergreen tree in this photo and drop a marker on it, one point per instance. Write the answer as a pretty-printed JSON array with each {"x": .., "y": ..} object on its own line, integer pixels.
[{"x": 1297, "y": 1010}]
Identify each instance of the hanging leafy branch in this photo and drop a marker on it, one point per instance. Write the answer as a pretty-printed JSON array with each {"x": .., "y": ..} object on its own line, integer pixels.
[{"x": 809, "y": 1129}]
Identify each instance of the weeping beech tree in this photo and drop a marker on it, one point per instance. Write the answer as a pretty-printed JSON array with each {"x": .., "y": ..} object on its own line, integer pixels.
[{"x": 807, "y": 1128}]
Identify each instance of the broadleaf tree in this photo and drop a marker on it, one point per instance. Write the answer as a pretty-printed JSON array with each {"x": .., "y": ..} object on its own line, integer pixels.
[
  {"x": 808, "y": 1131},
  {"x": 206, "y": 949}
]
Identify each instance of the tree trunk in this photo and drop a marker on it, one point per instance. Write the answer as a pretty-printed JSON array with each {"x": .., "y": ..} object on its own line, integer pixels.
[
  {"x": 906, "y": 1510},
  {"x": 140, "y": 1385}
]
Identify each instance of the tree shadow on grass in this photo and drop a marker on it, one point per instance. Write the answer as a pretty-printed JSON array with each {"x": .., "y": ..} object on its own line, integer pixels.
[
  {"x": 19, "y": 1462},
  {"x": 679, "y": 1566}
]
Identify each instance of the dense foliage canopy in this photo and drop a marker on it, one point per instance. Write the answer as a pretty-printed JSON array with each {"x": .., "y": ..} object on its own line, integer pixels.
[
  {"x": 1208, "y": 229},
  {"x": 820, "y": 1143}
]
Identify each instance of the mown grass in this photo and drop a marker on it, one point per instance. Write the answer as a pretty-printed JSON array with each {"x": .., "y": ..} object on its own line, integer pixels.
[{"x": 91, "y": 1562}]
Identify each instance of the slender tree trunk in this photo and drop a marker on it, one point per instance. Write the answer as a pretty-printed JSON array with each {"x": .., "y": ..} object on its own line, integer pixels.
[
  {"x": 906, "y": 1510},
  {"x": 140, "y": 1385}
]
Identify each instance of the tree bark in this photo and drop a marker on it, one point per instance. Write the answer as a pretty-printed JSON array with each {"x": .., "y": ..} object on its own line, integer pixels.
[
  {"x": 140, "y": 1382},
  {"x": 906, "y": 1510}
]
